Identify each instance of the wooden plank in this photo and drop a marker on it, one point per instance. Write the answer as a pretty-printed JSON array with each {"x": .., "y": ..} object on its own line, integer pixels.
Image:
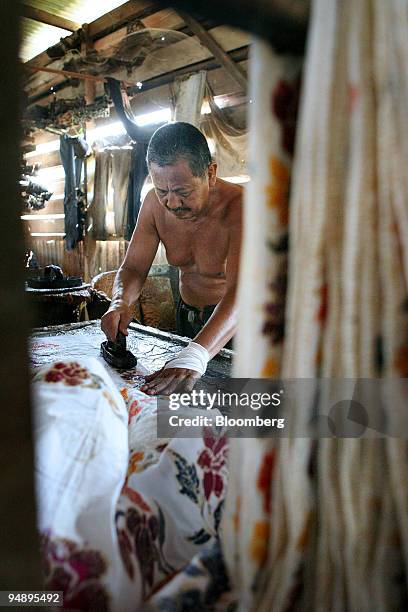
[
  {"x": 283, "y": 23},
  {"x": 216, "y": 50},
  {"x": 185, "y": 53},
  {"x": 47, "y": 160},
  {"x": 116, "y": 17},
  {"x": 39, "y": 225},
  {"x": 108, "y": 22},
  {"x": 180, "y": 54},
  {"x": 50, "y": 19}
]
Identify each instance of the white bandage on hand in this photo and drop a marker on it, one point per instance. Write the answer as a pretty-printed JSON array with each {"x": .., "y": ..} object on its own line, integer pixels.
[{"x": 193, "y": 357}]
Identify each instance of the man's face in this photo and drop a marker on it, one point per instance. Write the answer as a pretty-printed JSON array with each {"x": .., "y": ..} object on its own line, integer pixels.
[{"x": 184, "y": 195}]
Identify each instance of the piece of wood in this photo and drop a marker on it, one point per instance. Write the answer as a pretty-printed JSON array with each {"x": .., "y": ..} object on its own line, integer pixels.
[
  {"x": 109, "y": 22},
  {"x": 186, "y": 53},
  {"x": 115, "y": 18},
  {"x": 48, "y": 18},
  {"x": 283, "y": 23},
  {"x": 164, "y": 19},
  {"x": 181, "y": 54},
  {"x": 238, "y": 55},
  {"x": 218, "y": 52},
  {"x": 64, "y": 73}
]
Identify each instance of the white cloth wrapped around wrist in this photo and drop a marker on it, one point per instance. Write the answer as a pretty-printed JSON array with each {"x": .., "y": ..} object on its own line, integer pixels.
[{"x": 193, "y": 357}]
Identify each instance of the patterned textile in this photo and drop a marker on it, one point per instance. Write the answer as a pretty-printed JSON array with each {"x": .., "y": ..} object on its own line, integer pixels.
[
  {"x": 120, "y": 511},
  {"x": 323, "y": 525},
  {"x": 245, "y": 525}
]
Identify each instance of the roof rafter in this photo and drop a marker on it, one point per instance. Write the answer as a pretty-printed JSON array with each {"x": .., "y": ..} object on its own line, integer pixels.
[
  {"x": 48, "y": 18},
  {"x": 212, "y": 45}
]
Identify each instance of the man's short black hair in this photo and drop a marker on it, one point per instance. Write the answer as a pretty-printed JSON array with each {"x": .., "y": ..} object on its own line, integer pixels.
[{"x": 176, "y": 141}]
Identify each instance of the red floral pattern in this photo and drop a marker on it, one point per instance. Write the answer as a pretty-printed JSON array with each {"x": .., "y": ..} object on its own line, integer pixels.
[
  {"x": 77, "y": 572},
  {"x": 70, "y": 373},
  {"x": 285, "y": 103},
  {"x": 264, "y": 480},
  {"x": 211, "y": 460},
  {"x": 140, "y": 537}
]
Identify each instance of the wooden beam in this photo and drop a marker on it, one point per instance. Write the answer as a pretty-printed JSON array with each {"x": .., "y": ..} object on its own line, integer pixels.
[
  {"x": 115, "y": 18},
  {"x": 208, "y": 41},
  {"x": 53, "y": 20},
  {"x": 281, "y": 22},
  {"x": 184, "y": 52}
]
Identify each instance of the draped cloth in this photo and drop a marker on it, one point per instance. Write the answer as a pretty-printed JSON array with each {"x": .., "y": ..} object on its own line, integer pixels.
[
  {"x": 189, "y": 95},
  {"x": 120, "y": 511},
  {"x": 141, "y": 137},
  {"x": 229, "y": 143},
  {"x": 247, "y": 526},
  {"x": 138, "y": 174},
  {"x": 72, "y": 152},
  {"x": 125, "y": 113},
  {"x": 112, "y": 176},
  {"x": 322, "y": 524}
]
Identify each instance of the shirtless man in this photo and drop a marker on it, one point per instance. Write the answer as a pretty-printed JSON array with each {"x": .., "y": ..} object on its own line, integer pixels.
[{"x": 197, "y": 217}]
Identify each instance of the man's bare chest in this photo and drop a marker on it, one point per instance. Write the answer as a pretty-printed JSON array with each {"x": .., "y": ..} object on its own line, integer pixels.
[{"x": 202, "y": 248}]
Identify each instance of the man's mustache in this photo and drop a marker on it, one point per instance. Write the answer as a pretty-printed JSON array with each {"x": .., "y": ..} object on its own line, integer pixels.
[{"x": 177, "y": 210}]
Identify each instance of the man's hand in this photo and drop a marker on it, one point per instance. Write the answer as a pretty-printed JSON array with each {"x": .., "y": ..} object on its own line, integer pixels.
[
  {"x": 170, "y": 380},
  {"x": 117, "y": 318}
]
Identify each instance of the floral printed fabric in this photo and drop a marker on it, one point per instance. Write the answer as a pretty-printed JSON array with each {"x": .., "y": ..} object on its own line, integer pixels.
[
  {"x": 120, "y": 511},
  {"x": 323, "y": 525},
  {"x": 245, "y": 528}
]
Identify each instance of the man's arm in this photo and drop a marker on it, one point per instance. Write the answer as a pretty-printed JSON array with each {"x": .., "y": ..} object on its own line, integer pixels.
[
  {"x": 218, "y": 330},
  {"x": 132, "y": 273}
]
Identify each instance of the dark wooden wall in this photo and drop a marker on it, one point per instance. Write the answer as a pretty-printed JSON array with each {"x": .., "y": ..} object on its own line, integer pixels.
[{"x": 19, "y": 559}]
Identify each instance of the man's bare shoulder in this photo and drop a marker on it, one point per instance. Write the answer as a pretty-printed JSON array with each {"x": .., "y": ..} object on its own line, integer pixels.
[
  {"x": 150, "y": 200},
  {"x": 232, "y": 197},
  {"x": 151, "y": 206}
]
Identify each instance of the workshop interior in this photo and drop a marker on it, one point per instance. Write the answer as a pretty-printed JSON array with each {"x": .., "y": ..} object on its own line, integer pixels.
[{"x": 302, "y": 107}]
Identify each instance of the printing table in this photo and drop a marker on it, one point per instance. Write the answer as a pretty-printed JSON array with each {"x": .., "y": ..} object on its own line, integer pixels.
[{"x": 152, "y": 348}]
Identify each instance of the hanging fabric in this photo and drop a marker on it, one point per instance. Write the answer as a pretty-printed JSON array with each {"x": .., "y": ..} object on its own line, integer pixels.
[
  {"x": 121, "y": 164},
  {"x": 254, "y": 463},
  {"x": 138, "y": 174},
  {"x": 230, "y": 142},
  {"x": 72, "y": 151},
  {"x": 189, "y": 96},
  {"x": 125, "y": 113},
  {"x": 141, "y": 136},
  {"x": 323, "y": 524},
  {"x": 111, "y": 184},
  {"x": 97, "y": 210}
]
